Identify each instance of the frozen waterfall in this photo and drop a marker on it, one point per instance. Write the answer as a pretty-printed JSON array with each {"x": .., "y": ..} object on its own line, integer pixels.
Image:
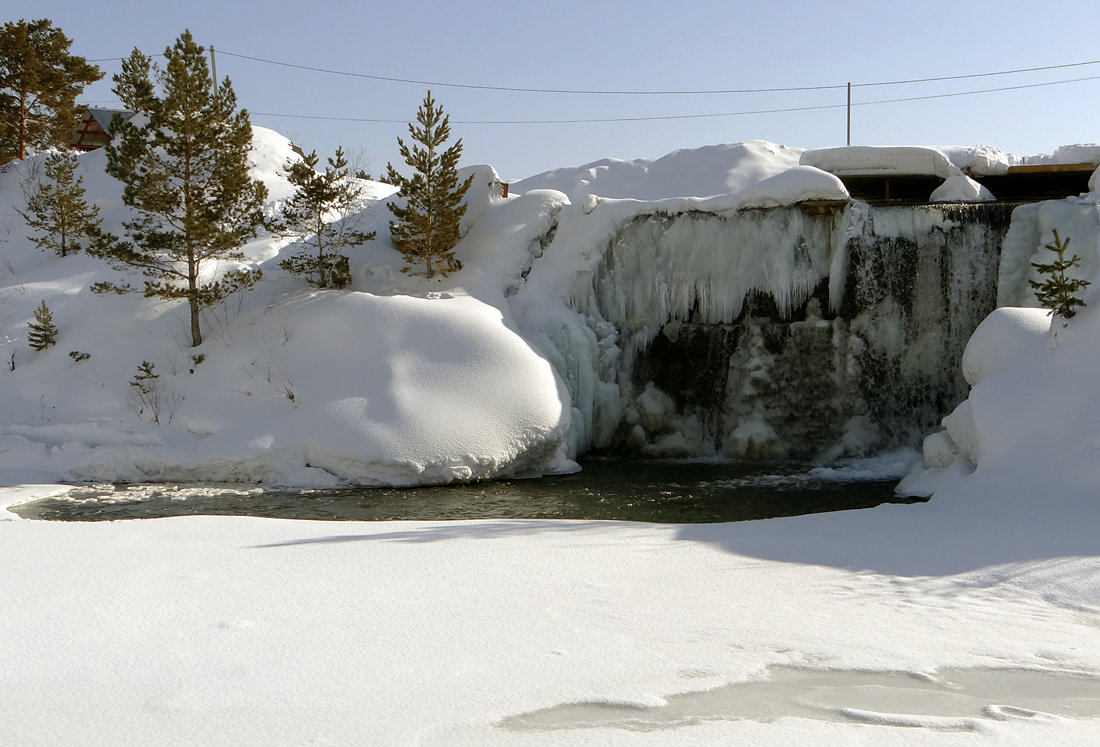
[{"x": 796, "y": 332}]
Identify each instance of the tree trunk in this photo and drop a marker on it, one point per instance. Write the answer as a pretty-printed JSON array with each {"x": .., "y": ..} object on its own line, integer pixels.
[
  {"x": 196, "y": 333},
  {"x": 193, "y": 296},
  {"x": 22, "y": 125}
]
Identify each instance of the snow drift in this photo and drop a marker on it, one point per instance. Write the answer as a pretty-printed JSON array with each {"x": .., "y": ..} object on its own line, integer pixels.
[{"x": 398, "y": 381}]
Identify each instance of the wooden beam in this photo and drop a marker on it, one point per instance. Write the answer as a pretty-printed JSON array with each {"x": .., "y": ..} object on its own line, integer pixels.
[{"x": 1051, "y": 168}]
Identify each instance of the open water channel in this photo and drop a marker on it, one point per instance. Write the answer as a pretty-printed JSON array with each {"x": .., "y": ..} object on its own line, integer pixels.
[{"x": 667, "y": 492}]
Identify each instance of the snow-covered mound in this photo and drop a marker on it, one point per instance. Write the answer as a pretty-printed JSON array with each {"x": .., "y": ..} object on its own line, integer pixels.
[
  {"x": 393, "y": 381},
  {"x": 859, "y": 160},
  {"x": 695, "y": 172}
]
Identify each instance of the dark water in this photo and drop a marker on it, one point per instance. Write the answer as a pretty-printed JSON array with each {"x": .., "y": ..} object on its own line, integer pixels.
[{"x": 618, "y": 490}]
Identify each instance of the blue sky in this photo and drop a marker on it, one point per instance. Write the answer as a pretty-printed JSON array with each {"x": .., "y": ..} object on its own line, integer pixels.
[{"x": 625, "y": 46}]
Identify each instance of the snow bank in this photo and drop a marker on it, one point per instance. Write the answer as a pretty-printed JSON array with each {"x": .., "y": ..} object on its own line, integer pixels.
[
  {"x": 960, "y": 188},
  {"x": 502, "y": 368},
  {"x": 1081, "y": 153},
  {"x": 863, "y": 159},
  {"x": 1029, "y": 420},
  {"x": 954, "y": 164},
  {"x": 292, "y": 385},
  {"x": 696, "y": 172},
  {"x": 1033, "y": 226}
]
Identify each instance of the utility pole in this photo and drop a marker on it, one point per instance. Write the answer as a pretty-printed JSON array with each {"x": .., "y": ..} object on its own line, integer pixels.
[
  {"x": 214, "y": 71},
  {"x": 849, "y": 107}
]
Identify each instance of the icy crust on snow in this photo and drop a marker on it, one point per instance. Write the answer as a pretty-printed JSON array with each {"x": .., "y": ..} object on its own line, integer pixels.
[
  {"x": 1031, "y": 413},
  {"x": 392, "y": 381}
]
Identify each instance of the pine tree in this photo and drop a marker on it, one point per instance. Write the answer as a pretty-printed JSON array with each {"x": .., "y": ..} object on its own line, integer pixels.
[
  {"x": 1057, "y": 292},
  {"x": 57, "y": 208},
  {"x": 185, "y": 168},
  {"x": 39, "y": 83},
  {"x": 321, "y": 210},
  {"x": 43, "y": 332},
  {"x": 134, "y": 85},
  {"x": 426, "y": 227}
]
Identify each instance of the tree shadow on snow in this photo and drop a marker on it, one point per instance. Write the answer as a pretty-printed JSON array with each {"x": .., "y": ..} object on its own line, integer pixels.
[
  {"x": 951, "y": 534},
  {"x": 493, "y": 529}
]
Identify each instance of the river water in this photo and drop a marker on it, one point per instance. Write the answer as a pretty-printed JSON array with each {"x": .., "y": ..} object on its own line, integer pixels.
[{"x": 667, "y": 492}]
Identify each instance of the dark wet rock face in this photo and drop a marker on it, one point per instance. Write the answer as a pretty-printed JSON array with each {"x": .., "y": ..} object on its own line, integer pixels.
[{"x": 785, "y": 333}]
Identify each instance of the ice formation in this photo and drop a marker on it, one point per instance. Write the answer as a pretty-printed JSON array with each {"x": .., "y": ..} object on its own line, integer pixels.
[{"x": 789, "y": 332}]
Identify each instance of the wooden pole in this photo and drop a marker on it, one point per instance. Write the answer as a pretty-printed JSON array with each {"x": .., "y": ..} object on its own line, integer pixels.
[
  {"x": 214, "y": 68},
  {"x": 849, "y": 109}
]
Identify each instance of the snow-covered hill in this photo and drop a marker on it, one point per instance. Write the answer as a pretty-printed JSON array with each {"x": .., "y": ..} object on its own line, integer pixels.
[
  {"x": 400, "y": 380},
  {"x": 397, "y": 381}
]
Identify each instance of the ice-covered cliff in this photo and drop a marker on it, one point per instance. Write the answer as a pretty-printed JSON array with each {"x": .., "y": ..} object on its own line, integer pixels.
[{"x": 805, "y": 330}]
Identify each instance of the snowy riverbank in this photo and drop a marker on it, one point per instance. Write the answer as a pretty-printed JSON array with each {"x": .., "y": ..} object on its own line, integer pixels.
[
  {"x": 221, "y": 630},
  {"x": 250, "y": 631}
]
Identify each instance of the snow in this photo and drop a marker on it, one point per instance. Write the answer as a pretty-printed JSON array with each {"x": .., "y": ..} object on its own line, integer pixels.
[
  {"x": 698, "y": 172},
  {"x": 257, "y": 631},
  {"x": 257, "y": 407},
  {"x": 961, "y": 188},
  {"x": 939, "y": 160},
  {"x": 858, "y": 160}
]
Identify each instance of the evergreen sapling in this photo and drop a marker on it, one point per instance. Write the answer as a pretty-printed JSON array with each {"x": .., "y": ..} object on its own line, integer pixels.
[
  {"x": 425, "y": 228},
  {"x": 1058, "y": 291},
  {"x": 57, "y": 208},
  {"x": 321, "y": 210},
  {"x": 42, "y": 333}
]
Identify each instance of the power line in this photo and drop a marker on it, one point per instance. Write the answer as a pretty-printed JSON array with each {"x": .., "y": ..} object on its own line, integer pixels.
[
  {"x": 984, "y": 90},
  {"x": 784, "y": 89},
  {"x": 523, "y": 90},
  {"x": 669, "y": 117},
  {"x": 788, "y": 89},
  {"x": 688, "y": 116},
  {"x": 979, "y": 75}
]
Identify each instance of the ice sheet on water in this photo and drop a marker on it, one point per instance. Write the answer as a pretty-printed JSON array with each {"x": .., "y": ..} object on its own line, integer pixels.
[{"x": 949, "y": 700}]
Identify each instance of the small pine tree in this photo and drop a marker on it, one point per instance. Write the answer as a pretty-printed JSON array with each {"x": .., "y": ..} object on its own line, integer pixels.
[
  {"x": 321, "y": 209},
  {"x": 57, "y": 208},
  {"x": 426, "y": 227},
  {"x": 1058, "y": 292},
  {"x": 43, "y": 332}
]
